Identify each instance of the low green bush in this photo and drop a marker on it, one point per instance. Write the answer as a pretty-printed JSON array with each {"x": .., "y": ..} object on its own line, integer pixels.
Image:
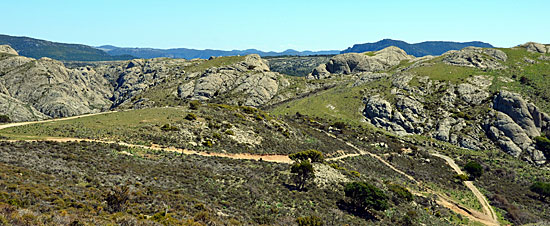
[
  {"x": 309, "y": 221},
  {"x": 191, "y": 117}
]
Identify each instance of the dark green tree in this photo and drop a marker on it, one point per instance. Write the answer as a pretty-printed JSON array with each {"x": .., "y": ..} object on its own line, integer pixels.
[
  {"x": 543, "y": 144},
  {"x": 4, "y": 119},
  {"x": 363, "y": 195},
  {"x": 311, "y": 155},
  {"x": 541, "y": 188},
  {"x": 302, "y": 173},
  {"x": 474, "y": 169}
]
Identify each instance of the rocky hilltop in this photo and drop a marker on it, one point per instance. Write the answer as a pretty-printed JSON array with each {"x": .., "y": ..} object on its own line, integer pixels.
[
  {"x": 44, "y": 88},
  {"x": 460, "y": 97}
]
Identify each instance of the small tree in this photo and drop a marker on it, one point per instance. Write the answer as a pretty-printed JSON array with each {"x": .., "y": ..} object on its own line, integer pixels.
[
  {"x": 400, "y": 193},
  {"x": 543, "y": 144},
  {"x": 364, "y": 195},
  {"x": 118, "y": 198},
  {"x": 303, "y": 173},
  {"x": 4, "y": 119},
  {"x": 541, "y": 188},
  {"x": 474, "y": 169},
  {"x": 194, "y": 105},
  {"x": 311, "y": 155}
]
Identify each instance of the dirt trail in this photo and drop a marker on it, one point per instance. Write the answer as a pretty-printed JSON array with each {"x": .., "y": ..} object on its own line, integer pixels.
[
  {"x": 15, "y": 124},
  {"x": 487, "y": 209},
  {"x": 487, "y": 218}
]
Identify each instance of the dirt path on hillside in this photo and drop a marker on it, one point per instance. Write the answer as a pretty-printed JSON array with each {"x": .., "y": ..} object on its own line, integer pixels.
[
  {"x": 487, "y": 218},
  {"x": 487, "y": 209},
  {"x": 15, "y": 124}
]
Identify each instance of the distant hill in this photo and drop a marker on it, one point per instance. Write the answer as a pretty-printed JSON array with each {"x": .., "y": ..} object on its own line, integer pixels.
[
  {"x": 203, "y": 54},
  {"x": 434, "y": 48},
  {"x": 37, "y": 48}
]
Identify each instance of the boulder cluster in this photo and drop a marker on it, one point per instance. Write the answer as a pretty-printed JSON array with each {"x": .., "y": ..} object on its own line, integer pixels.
[
  {"x": 350, "y": 63},
  {"x": 33, "y": 89}
]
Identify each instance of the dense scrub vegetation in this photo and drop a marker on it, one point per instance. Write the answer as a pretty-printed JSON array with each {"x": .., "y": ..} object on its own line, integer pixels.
[{"x": 91, "y": 183}]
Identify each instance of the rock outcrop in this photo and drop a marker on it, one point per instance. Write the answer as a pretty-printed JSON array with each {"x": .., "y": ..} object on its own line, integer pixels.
[
  {"x": 249, "y": 83},
  {"x": 52, "y": 89},
  {"x": 351, "y": 63},
  {"x": 405, "y": 121},
  {"x": 516, "y": 123},
  {"x": 536, "y": 47},
  {"x": 8, "y": 50},
  {"x": 486, "y": 59},
  {"x": 131, "y": 78},
  {"x": 35, "y": 89}
]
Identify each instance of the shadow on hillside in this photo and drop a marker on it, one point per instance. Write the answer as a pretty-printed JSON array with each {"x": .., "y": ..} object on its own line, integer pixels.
[{"x": 351, "y": 209}]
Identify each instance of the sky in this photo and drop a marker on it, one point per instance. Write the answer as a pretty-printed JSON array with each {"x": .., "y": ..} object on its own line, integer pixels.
[{"x": 274, "y": 25}]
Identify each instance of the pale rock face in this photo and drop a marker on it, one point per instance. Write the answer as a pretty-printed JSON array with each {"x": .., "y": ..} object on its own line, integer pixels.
[
  {"x": 535, "y": 47},
  {"x": 517, "y": 123},
  {"x": 514, "y": 106},
  {"x": 52, "y": 89},
  {"x": 7, "y": 49},
  {"x": 18, "y": 111},
  {"x": 250, "y": 80},
  {"x": 352, "y": 63},
  {"x": 476, "y": 57},
  {"x": 471, "y": 94}
]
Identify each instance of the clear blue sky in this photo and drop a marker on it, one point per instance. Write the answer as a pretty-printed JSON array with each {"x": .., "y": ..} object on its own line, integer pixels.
[{"x": 274, "y": 25}]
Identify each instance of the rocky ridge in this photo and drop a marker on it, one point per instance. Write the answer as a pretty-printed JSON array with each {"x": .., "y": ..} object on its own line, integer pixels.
[
  {"x": 36, "y": 89},
  {"x": 351, "y": 63},
  {"x": 464, "y": 113}
]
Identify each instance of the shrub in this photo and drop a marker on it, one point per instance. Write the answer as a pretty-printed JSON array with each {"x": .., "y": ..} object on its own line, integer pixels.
[
  {"x": 541, "y": 188},
  {"x": 401, "y": 192},
  {"x": 463, "y": 115},
  {"x": 216, "y": 136},
  {"x": 311, "y": 155},
  {"x": 118, "y": 198},
  {"x": 168, "y": 127},
  {"x": 191, "y": 117},
  {"x": 543, "y": 144},
  {"x": 4, "y": 119},
  {"x": 339, "y": 125},
  {"x": 239, "y": 116},
  {"x": 363, "y": 195},
  {"x": 459, "y": 178},
  {"x": 249, "y": 110},
  {"x": 208, "y": 143},
  {"x": 194, "y": 105},
  {"x": 524, "y": 80},
  {"x": 302, "y": 173},
  {"x": 474, "y": 169},
  {"x": 309, "y": 221},
  {"x": 229, "y": 132}
]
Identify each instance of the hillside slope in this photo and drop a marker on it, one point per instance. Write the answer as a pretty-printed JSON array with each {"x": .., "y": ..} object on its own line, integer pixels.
[{"x": 386, "y": 118}]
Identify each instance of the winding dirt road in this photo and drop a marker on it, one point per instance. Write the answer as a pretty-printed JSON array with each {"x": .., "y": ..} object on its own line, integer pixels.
[
  {"x": 488, "y": 217},
  {"x": 487, "y": 209}
]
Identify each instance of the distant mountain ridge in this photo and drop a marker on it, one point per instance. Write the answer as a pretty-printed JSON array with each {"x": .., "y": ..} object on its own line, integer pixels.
[
  {"x": 433, "y": 48},
  {"x": 37, "y": 48},
  {"x": 203, "y": 54}
]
